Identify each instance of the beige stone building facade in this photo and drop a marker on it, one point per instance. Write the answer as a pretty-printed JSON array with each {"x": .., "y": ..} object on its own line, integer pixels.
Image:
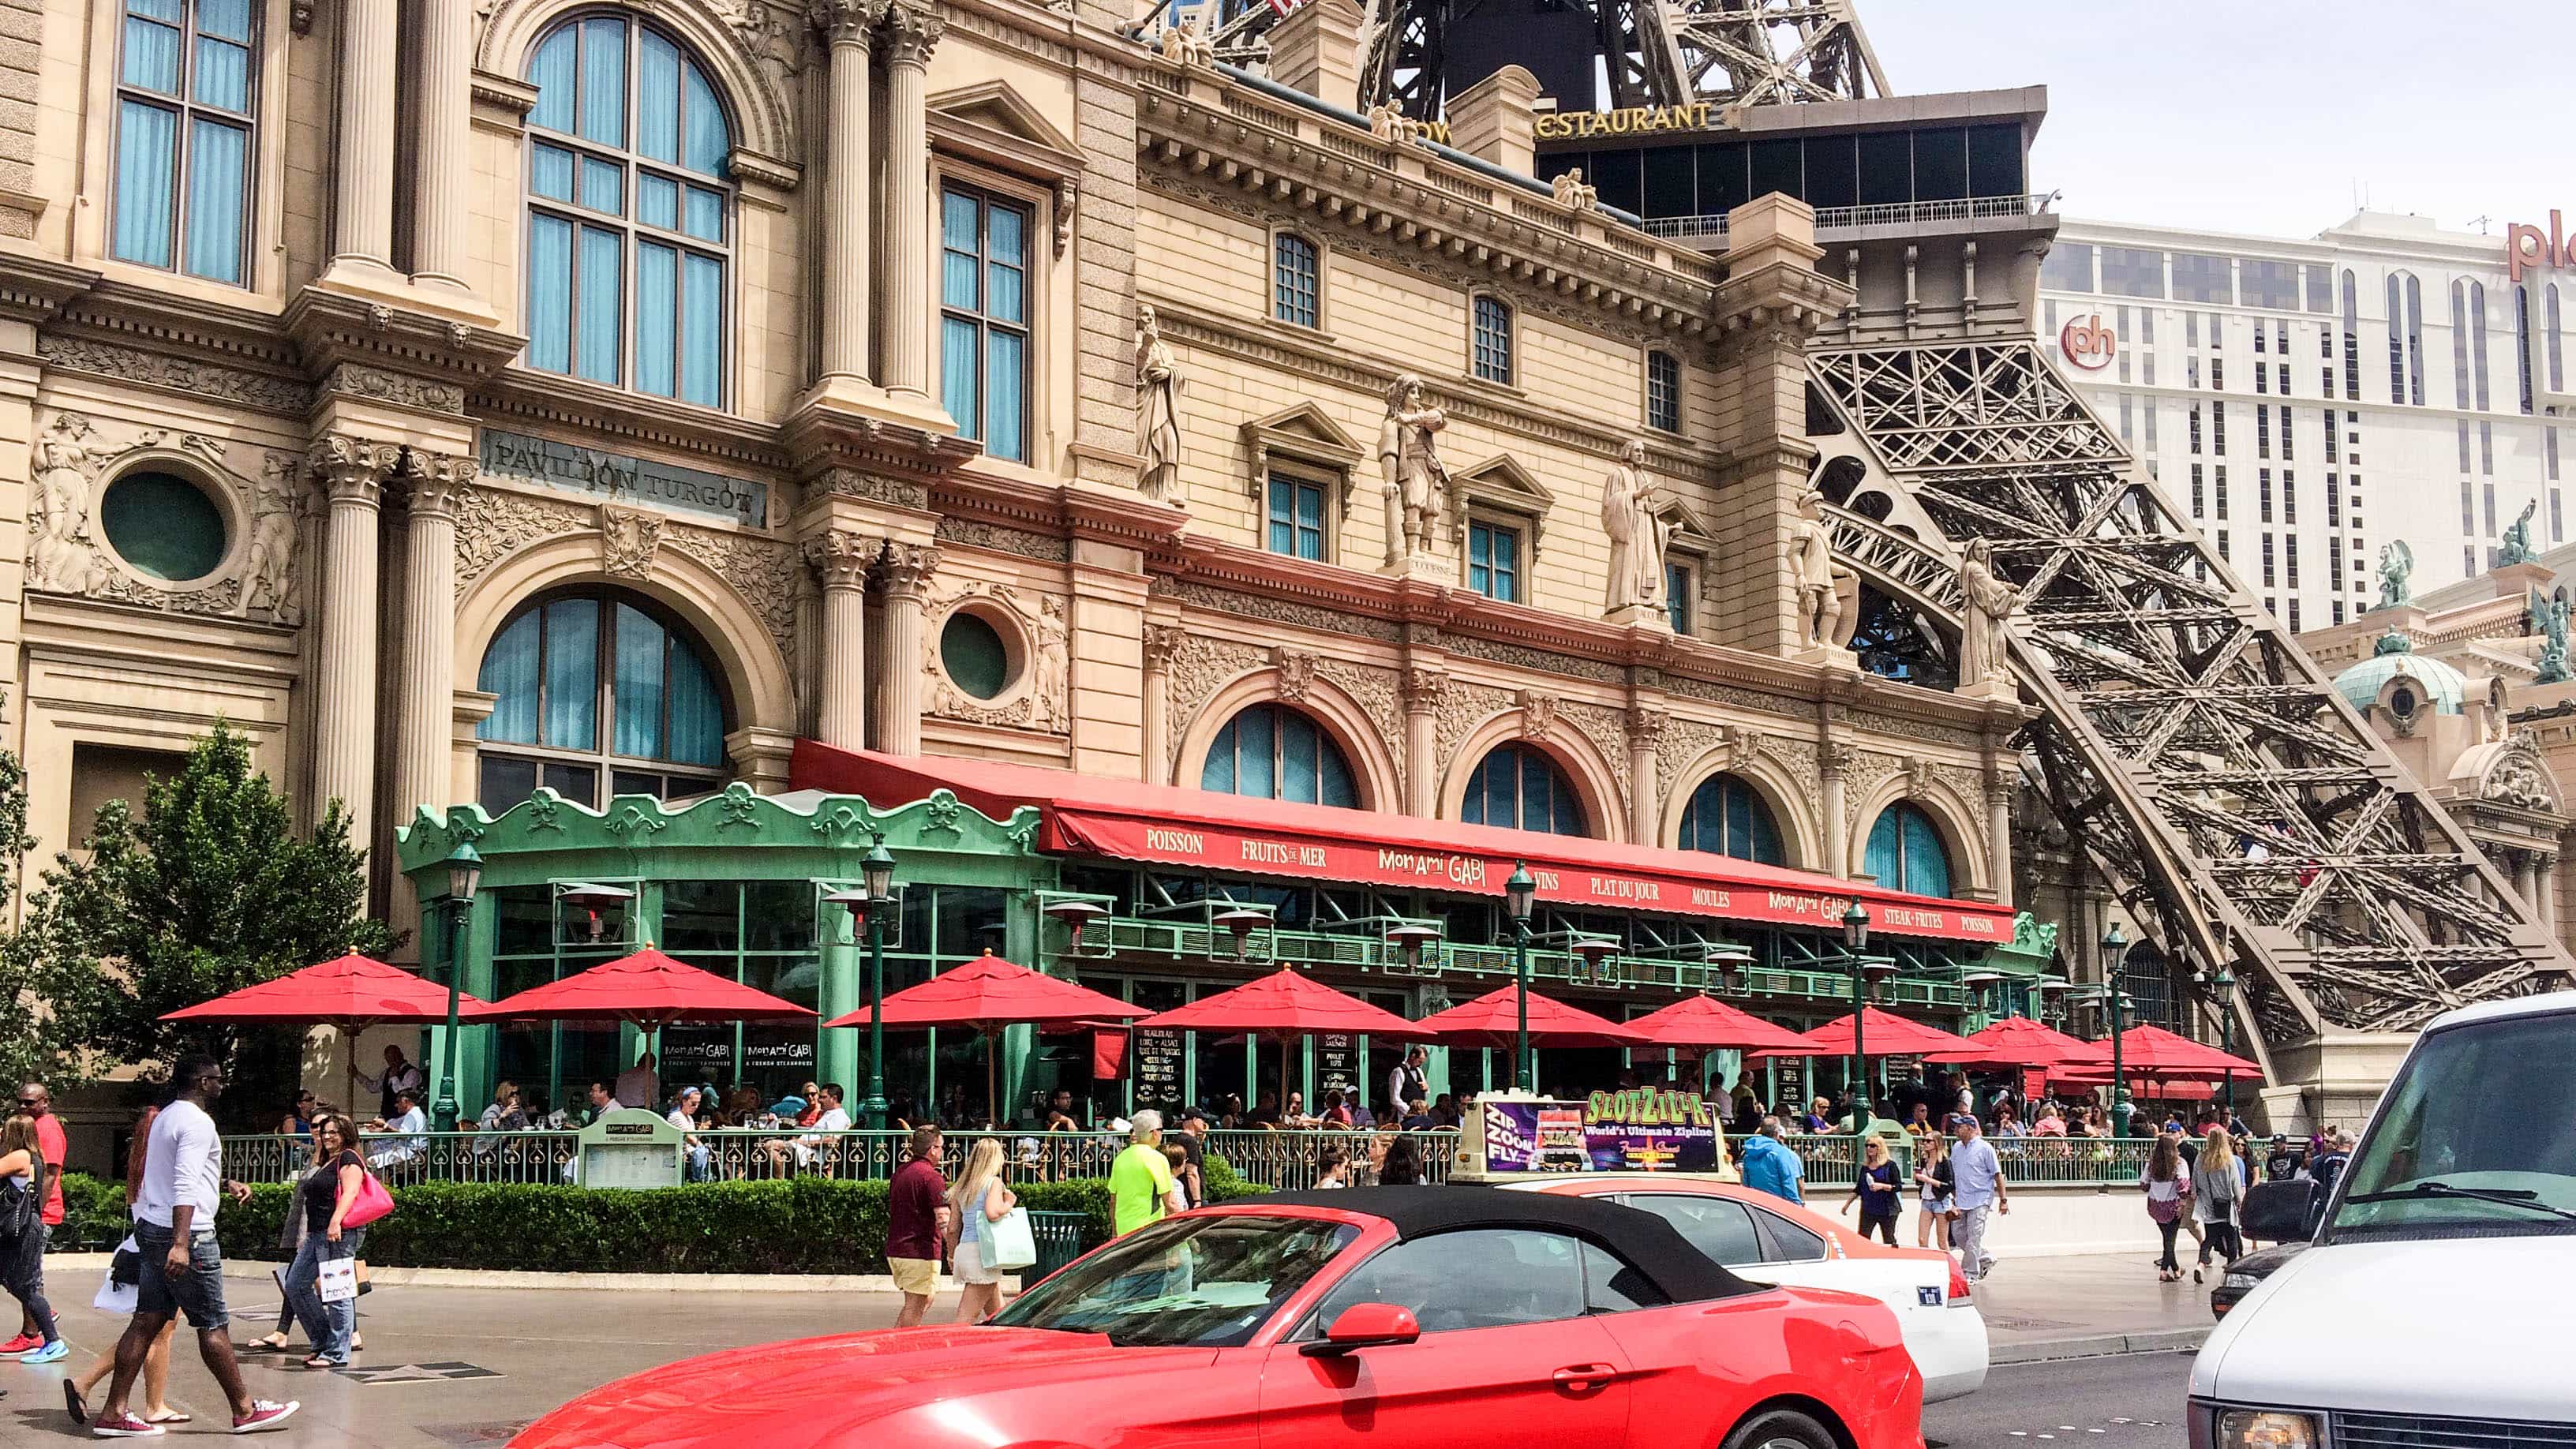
[{"x": 486, "y": 396}]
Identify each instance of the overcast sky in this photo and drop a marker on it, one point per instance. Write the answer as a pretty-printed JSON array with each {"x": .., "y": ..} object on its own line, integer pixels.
[{"x": 2271, "y": 117}]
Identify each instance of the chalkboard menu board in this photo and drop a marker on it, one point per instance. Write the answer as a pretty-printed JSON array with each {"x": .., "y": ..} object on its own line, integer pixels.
[
  {"x": 1160, "y": 1055},
  {"x": 1337, "y": 1063}
]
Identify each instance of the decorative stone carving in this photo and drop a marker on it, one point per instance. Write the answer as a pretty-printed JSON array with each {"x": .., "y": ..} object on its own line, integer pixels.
[
  {"x": 1464, "y": 707},
  {"x": 764, "y": 34},
  {"x": 845, "y": 20},
  {"x": 629, "y": 538},
  {"x": 399, "y": 389},
  {"x": 761, "y": 570},
  {"x": 1991, "y": 601},
  {"x": 1200, "y": 667},
  {"x": 906, "y": 565},
  {"x": 350, "y": 466},
  {"x": 1158, "y": 412},
  {"x": 1375, "y": 689},
  {"x": 1282, "y": 611},
  {"x": 1068, "y": 204},
  {"x": 1538, "y": 713},
  {"x": 272, "y": 581},
  {"x": 1186, "y": 43},
  {"x": 492, "y": 524},
  {"x": 1811, "y": 565},
  {"x": 1681, "y": 742},
  {"x": 1409, "y": 459},
  {"x": 1040, "y": 698},
  {"x": 911, "y": 32},
  {"x": 2396, "y": 563},
  {"x": 60, "y": 556},
  {"x": 1607, "y": 729},
  {"x": 434, "y": 483},
  {"x": 1918, "y": 776},
  {"x": 2520, "y": 776},
  {"x": 2516, "y": 548},
  {"x": 204, "y": 380},
  {"x": 851, "y": 483},
  {"x": 1162, "y": 641},
  {"x": 1634, "y": 584},
  {"x": 1296, "y": 672},
  {"x": 1645, "y": 726},
  {"x": 2553, "y": 667},
  {"x": 1835, "y": 757},
  {"x": 841, "y": 559},
  {"x": 1571, "y": 192},
  {"x": 1423, "y": 687},
  {"x": 974, "y": 533}
]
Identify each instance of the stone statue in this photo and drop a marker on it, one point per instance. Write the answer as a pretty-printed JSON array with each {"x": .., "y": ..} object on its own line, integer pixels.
[
  {"x": 1811, "y": 567},
  {"x": 1991, "y": 602},
  {"x": 1410, "y": 461},
  {"x": 1188, "y": 44},
  {"x": 2516, "y": 547},
  {"x": 58, "y": 547},
  {"x": 1571, "y": 192},
  {"x": 1637, "y": 535},
  {"x": 2396, "y": 561},
  {"x": 1384, "y": 122},
  {"x": 1158, "y": 412},
  {"x": 2553, "y": 645},
  {"x": 1054, "y": 672},
  {"x": 268, "y": 569}
]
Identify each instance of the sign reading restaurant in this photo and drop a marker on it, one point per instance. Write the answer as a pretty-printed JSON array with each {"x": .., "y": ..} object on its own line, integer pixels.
[
  {"x": 1627, "y": 121},
  {"x": 620, "y": 477},
  {"x": 1674, "y": 892}
]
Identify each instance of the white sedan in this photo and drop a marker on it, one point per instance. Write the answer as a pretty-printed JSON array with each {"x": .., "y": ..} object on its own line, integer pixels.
[{"x": 1765, "y": 1240}]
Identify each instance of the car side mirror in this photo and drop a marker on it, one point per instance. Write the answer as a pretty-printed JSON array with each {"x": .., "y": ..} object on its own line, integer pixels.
[
  {"x": 1365, "y": 1325},
  {"x": 2279, "y": 1212}
]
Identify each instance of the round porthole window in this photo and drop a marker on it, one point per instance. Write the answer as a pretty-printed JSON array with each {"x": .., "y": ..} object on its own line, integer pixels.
[
  {"x": 2402, "y": 700},
  {"x": 972, "y": 652},
  {"x": 163, "y": 526}
]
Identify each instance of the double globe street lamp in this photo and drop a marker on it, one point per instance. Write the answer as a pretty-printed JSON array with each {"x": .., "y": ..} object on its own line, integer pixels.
[
  {"x": 868, "y": 906},
  {"x": 1866, "y": 972},
  {"x": 464, "y": 876},
  {"x": 1520, "y": 894},
  {"x": 2221, "y": 984}
]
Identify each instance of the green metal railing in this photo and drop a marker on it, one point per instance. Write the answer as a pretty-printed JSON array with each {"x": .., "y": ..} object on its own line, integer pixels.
[{"x": 2027, "y": 1161}]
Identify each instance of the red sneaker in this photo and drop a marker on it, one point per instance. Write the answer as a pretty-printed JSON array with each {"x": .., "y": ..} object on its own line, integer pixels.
[
  {"x": 264, "y": 1414},
  {"x": 125, "y": 1426},
  {"x": 23, "y": 1343}
]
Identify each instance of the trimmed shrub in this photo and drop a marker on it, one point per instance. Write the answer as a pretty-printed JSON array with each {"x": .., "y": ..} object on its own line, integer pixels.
[{"x": 93, "y": 1214}]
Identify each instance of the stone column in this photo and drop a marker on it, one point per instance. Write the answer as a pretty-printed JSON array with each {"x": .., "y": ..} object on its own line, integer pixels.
[
  {"x": 1423, "y": 687},
  {"x": 353, "y": 472},
  {"x": 840, "y": 561},
  {"x": 2548, "y": 903},
  {"x": 2526, "y": 882},
  {"x": 847, "y": 273},
  {"x": 1162, "y": 641},
  {"x": 1999, "y": 796},
  {"x": 423, "y": 769},
  {"x": 899, "y": 697},
  {"x": 1831, "y": 759},
  {"x": 363, "y": 190},
  {"x": 1645, "y": 798},
  {"x": 444, "y": 74},
  {"x": 911, "y": 31}
]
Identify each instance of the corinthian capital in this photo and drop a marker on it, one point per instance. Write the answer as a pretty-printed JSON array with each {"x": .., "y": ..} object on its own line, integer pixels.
[
  {"x": 841, "y": 558},
  {"x": 912, "y": 31},
  {"x": 433, "y": 483},
  {"x": 353, "y": 469},
  {"x": 906, "y": 565},
  {"x": 844, "y": 22}
]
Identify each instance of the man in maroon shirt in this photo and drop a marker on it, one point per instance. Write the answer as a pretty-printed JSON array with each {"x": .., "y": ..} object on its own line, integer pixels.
[
  {"x": 37, "y": 1102},
  {"x": 917, "y": 1226}
]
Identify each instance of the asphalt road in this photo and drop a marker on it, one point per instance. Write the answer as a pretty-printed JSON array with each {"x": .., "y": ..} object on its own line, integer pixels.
[{"x": 2129, "y": 1401}]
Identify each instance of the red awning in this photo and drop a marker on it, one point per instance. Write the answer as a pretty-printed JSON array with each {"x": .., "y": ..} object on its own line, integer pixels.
[{"x": 1168, "y": 825}]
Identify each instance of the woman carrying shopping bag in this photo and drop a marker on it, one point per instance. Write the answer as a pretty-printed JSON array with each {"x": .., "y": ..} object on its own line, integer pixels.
[
  {"x": 975, "y": 1205},
  {"x": 322, "y": 1282}
]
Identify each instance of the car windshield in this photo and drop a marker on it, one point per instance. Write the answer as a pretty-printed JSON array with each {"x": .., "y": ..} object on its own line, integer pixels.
[
  {"x": 2478, "y": 1136},
  {"x": 1206, "y": 1282}
]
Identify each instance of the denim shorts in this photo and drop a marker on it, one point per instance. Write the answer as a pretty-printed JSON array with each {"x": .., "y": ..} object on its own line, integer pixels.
[{"x": 199, "y": 1294}]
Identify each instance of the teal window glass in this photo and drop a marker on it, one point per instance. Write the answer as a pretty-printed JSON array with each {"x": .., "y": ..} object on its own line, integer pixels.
[
  {"x": 163, "y": 526},
  {"x": 592, "y": 687},
  {"x": 1521, "y": 787},
  {"x": 972, "y": 652},
  {"x": 1494, "y": 561},
  {"x": 187, "y": 81},
  {"x": 1493, "y": 341},
  {"x": 983, "y": 324},
  {"x": 635, "y": 294},
  {"x": 1276, "y": 753},
  {"x": 1295, "y": 282},
  {"x": 1726, "y": 817},
  {"x": 1663, "y": 392},
  {"x": 1905, "y": 851},
  {"x": 1677, "y": 596},
  {"x": 1296, "y": 517}
]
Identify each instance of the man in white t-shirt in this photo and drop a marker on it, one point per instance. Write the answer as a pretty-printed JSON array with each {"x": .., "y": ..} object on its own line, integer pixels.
[
  {"x": 182, "y": 1272},
  {"x": 827, "y": 1129}
]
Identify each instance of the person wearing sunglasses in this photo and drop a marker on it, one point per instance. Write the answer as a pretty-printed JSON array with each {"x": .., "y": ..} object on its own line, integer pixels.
[{"x": 298, "y": 1121}]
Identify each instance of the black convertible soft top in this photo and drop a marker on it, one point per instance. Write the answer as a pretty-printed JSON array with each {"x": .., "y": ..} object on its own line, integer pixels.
[{"x": 1646, "y": 1241}]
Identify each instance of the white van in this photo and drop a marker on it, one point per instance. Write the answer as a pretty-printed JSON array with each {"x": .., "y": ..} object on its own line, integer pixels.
[{"x": 2437, "y": 1304}]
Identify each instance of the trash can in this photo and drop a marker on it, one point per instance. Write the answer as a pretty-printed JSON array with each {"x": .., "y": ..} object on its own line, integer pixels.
[{"x": 1059, "y": 1239}]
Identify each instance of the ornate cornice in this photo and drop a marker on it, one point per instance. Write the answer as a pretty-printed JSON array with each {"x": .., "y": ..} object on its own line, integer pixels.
[
  {"x": 34, "y": 289},
  {"x": 264, "y": 391},
  {"x": 330, "y": 329}
]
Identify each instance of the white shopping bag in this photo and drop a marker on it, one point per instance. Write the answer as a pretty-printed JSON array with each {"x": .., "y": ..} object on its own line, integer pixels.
[
  {"x": 113, "y": 1297},
  {"x": 337, "y": 1280}
]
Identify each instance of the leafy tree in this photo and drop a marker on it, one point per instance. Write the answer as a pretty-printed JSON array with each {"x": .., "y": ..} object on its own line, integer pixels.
[
  {"x": 209, "y": 890},
  {"x": 42, "y": 1008}
]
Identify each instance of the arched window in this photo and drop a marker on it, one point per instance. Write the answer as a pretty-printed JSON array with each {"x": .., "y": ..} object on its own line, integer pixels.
[
  {"x": 1296, "y": 284},
  {"x": 1726, "y": 817},
  {"x": 1278, "y": 754},
  {"x": 595, "y": 685},
  {"x": 630, "y": 215},
  {"x": 1519, "y": 787},
  {"x": 1905, "y": 852},
  {"x": 186, "y": 76}
]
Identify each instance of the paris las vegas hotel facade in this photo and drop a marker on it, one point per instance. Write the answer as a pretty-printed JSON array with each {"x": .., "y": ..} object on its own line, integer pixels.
[{"x": 675, "y": 420}]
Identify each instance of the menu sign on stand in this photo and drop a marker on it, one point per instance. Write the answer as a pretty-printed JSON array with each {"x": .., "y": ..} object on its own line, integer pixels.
[
  {"x": 629, "y": 1147},
  {"x": 1337, "y": 1063},
  {"x": 1160, "y": 1054}
]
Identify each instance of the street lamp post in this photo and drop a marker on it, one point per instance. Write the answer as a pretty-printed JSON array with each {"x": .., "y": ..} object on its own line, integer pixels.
[
  {"x": 1519, "y": 894},
  {"x": 868, "y": 906},
  {"x": 1855, "y": 939},
  {"x": 2223, "y": 982},
  {"x": 464, "y": 874},
  {"x": 2115, "y": 949}
]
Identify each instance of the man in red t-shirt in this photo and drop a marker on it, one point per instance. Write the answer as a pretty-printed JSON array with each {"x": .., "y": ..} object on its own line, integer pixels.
[
  {"x": 35, "y": 1101},
  {"x": 917, "y": 1226}
]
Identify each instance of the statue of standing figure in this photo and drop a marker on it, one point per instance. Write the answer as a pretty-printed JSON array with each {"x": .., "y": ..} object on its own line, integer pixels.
[
  {"x": 1811, "y": 565},
  {"x": 1408, "y": 456},
  {"x": 58, "y": 549},
  {"x": 1638, "y": 535},
  {"x": 2396, "y": 561},
  {"x": 2516, "y": 548},
  {"x": 1158, "y": 411},
  {"x": 2553, "y": 644},
  {"x": 1991, "y": 602}
]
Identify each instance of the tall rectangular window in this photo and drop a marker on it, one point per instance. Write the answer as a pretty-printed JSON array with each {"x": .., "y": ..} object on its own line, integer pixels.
[
  {"x": 2290, "y": 560},
  {"x": 2262, "y": 430},
  {"x": 2195, "y": 427},
  {"x": 1678, "y": 589},
  {"x": 1493, "y": 340},
  {"x": 2218, "y": 374},
  {"x": 2197, "y": 491},
  {"x": 2218, "y": 428},
  {"x": 2490, "y": 492},
  {"x": 2222, "y": 545},
  {"x": 2263, "y": 493},
  {"x": 2151, "y": 421},
  {"x": 2218, "y": 490},
  {"x": 984, "y": 319},
  {"x": 2288, "y": 451},
  {"x": 2334, "y": 502},
  {"x": 1295, "y": 283},
  {"x": 1494, "y": 560},
  {"x": 2289, "y": 496},
  {"x": 2267, "y": 562},
  {"x": 185, "y": 83},
  {"x": 2468, "y": 507},
  {"x": 1296, "y": 517},
  {"x": 2294, "y": 580},
  {"x": 1663, "y": 392}
]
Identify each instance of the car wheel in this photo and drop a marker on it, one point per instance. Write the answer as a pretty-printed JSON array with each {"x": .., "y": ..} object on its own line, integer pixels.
[{"x": 1780, "y": 1429}]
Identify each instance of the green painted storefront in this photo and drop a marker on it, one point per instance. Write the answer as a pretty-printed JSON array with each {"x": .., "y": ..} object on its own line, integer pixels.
[{"x": 734, "y": 883}]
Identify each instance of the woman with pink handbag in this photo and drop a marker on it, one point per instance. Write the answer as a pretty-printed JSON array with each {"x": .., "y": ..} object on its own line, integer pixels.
[{"x": 338, "y": 1200}]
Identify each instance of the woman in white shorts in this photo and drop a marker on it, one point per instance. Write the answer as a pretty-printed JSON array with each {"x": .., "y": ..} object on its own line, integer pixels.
[{"x": 978, "y": 1200}]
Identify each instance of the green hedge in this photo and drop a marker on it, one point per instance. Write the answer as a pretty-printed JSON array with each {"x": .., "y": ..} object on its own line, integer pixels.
[
  {"x": 798, "y": 1225},
  {"x": 94, "y": 1214}
]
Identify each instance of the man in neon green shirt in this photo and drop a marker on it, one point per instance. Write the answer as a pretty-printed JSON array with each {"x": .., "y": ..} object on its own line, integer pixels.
[{"x": 1141, "y": 1190}]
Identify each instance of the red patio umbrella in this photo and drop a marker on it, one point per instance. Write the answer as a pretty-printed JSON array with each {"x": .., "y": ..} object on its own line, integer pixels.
[
  {"x": 989, "y": 993},
  {"x": 1884, "y": 1033},
  {"x": 349, "y": 992},
  {"x": 1708, "y": 1023},
  {"x": 1493, "y": 1020},
  {"x": 651, "y": 990},
  {"x": 1283, "y": 1007},
  {"x": 2017, "y": 1041},
  {"x": 2152, "y": 1051}
]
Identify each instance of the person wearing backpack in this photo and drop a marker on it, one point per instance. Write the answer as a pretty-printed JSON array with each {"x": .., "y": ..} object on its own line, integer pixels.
[
  {"x": 326, "y": 1197},
  {"x": 23, "y": 1174}
]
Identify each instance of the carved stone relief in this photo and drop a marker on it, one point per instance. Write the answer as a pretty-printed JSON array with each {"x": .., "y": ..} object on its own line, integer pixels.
[
  {"x": 1375, "y": 689},
  {"x": 762, "y": 570},
  {"x": 1607, "y": 729},
  {"x": 628, "y": 539},
  {"x": 204, "y": 380},
  {"x": 2520, "y": 776},
  {"x": 1862, "y": 776},
  {"x": 68, "y": 553},
  {"x": 400, "y": 389},
  {"x": 1462, "y": 708},
  {"x": 1201, "y": 667},
  {"x": 975, "y": 534},
  {"x": 1283, "y": 611},
  {"x": 492, "y": 524},
  {"x": 1538, "y": 713},
  {"x": 1296, "y": 672},
  {"x": 1041, "y": 698}
]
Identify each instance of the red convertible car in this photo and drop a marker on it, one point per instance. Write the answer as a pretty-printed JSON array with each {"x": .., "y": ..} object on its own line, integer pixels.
[{"x": 1408, "y": 1317}]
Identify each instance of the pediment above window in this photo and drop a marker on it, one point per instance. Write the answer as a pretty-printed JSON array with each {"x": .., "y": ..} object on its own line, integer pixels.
[
  {"x": 1302, "y": 434},
  {"x": 1502, "y": 485},
  {"x": 994, "y": 124}
]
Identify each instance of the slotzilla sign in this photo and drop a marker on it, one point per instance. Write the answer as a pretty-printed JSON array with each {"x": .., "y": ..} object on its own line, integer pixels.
[
  {"x": 1644, "y": 1130},
  {"x": 619, "y": 476}
]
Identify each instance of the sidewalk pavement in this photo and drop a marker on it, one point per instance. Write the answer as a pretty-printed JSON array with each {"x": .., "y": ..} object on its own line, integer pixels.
[{"x": 2096, "y": 1303}]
